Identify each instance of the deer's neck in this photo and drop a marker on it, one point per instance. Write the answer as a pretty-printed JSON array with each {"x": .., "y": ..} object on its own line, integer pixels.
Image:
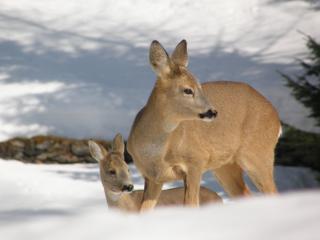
[
  {"x": 154, "y": 128},
  {"x": 157, "y": 120},
  {"x": 151, "y": 134}
]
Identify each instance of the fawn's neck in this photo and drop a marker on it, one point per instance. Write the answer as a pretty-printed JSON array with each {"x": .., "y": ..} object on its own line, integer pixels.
[
  {"x": 121, "y": 201},
  {"x": 113, "y": 199},
  {"x": 117, "y": 200}
]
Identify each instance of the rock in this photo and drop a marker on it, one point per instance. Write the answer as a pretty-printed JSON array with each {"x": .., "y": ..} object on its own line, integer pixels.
[
  {"x": 19, "y": 156},
  {"x": 80, "y": 149},
  {"x": 89, "y": 159},
  {"x": 44, "y": 145},
  {"x": 65, "y": 158},
  {"x": 17, "y": 143},
  {"x": 30, "y": 150},
  {"x": 45, "y": 155},
  {"x": 49, "y": 149}
]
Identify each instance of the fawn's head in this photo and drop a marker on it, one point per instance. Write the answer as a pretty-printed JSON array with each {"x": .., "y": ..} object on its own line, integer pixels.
[
  {"x": 114, "y": 171},
  {"x": 179, "y": 89}
]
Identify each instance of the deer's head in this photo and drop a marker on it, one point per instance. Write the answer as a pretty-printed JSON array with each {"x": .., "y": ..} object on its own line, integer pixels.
[
  {"x": 114, "y": 171},
  {"x": 181, "y": 93}
]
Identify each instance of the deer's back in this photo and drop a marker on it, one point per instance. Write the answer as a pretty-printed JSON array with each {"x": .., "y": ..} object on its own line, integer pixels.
[
  {"x": 175, "y": 197},
  {"x": 244, "y": 113}
]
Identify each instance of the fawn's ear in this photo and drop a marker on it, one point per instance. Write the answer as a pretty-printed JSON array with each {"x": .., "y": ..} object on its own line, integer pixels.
[
  {"x": 97, "y": 151},
  {"x": 180, "y": 54},
  {"x": 159, "y": 59},
  {"x": 118, "y": 144}
]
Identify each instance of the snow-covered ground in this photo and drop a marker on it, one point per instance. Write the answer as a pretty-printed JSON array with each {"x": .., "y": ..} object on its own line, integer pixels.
[
  {"x": 80, "y": 69},
  {"x": 67, "y": 202}
]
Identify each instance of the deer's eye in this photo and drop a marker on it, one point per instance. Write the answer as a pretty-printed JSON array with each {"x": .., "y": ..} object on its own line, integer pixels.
[
  {"x": 112, "y": 172},
  {"x": 188, "y": 91}
]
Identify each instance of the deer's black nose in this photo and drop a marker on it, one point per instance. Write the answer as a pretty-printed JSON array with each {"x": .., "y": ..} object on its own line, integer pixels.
[
  {"x": 128, "y": 187},
  {"x": 209, "y": 114},
  {"x": 215, "y": 113}
]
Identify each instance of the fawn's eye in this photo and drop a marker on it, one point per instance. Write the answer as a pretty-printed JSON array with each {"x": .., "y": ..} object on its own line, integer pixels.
[
  {"x": 188, "y": 91},
  {"x": 112, "y": 172}
]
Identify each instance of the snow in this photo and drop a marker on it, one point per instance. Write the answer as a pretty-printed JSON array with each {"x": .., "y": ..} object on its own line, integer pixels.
[
  {"x": 223, "y": 222},
  {"x": 67, "y": 202},
  {"x": 80, "y": 69}
]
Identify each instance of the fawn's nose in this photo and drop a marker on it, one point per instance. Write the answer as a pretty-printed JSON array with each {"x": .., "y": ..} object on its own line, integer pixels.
[{"x": 127, "y": 188}]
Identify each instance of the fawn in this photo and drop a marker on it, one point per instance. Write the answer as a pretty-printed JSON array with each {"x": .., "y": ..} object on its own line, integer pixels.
[{"x": 118, "y": 187}]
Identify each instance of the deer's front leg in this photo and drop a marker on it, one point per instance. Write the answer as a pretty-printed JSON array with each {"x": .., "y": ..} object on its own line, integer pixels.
[
  {"x": 151, "y": 195},
  {"x": 192, "y": 188}
]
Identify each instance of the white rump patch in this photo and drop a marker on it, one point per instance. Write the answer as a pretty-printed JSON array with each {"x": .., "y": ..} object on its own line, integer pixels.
[{"x": 280, "y": 132}]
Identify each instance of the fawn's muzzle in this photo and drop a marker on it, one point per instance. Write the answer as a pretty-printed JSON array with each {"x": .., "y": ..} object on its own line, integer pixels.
[
  {"x": 127, "y": 188},
  {"x": 208, "y": 114}
]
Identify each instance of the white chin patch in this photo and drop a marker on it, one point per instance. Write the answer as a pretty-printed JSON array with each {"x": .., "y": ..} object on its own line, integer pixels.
[{"x": 207, "y": 119}]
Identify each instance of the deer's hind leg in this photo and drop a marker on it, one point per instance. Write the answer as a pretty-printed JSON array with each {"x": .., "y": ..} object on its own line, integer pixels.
[
  {"x": 230, "y": 177},
  {"x": 260, "y": 170}
]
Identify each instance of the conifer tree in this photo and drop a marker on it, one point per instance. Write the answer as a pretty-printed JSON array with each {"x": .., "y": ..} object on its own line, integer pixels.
[{"x": 306, "y": 86}]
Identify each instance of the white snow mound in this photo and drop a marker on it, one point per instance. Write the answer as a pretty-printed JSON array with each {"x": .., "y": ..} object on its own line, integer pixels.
[{"x": 67, "y": 202}]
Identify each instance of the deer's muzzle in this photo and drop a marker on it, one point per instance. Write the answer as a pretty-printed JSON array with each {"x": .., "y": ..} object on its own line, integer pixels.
[
  {"x": 127, "y": 188},
  {"x": 210, "y": 114}
]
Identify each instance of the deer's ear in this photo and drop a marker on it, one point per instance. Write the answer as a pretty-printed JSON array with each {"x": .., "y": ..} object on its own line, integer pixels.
[
  {"x": 118, "y": 144},
  {"x": 159, "y": 59},
  {"x": 180, "y": 54},
  {"x": 97, "y": 151}
]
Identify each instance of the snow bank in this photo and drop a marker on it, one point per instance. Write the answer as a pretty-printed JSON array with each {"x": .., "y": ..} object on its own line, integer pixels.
[
  {"x": 67, "y": 202},
  {"x": 294, "y": 217}
]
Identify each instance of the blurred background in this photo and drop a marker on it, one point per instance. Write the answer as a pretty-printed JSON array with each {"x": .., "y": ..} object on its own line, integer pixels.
[{"x": 80, "y": 70}]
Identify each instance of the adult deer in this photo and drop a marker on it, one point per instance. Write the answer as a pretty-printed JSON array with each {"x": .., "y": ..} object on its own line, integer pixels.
[
  {"x": 117, "y": 184},
  {"x": 173, "y": 136}
]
